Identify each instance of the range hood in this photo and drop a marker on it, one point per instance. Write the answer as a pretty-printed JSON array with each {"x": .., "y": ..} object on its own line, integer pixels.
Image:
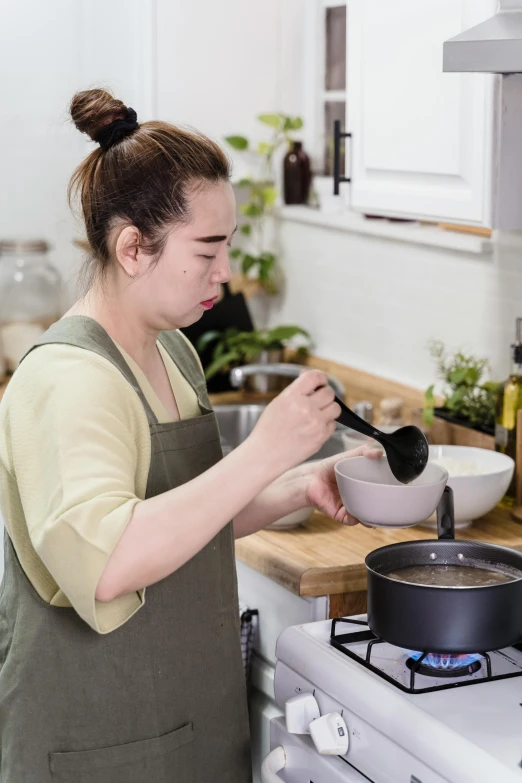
[{"x": 494, "y": 46}]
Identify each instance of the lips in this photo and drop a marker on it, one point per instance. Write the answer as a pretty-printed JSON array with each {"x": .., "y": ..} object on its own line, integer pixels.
[{"x": 208, "y": 303}]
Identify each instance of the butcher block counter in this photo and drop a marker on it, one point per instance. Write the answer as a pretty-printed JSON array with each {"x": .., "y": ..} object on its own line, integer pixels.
[{"x": 326, "y": 558}]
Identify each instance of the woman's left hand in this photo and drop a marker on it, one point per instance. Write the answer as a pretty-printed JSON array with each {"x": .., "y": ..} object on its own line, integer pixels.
[{"x": 322, "y": 492}]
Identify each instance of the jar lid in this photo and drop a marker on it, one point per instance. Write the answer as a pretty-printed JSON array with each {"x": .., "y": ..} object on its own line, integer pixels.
[
  {"x": 391, "y": 406},
  {"x": 24, "y": 246}
]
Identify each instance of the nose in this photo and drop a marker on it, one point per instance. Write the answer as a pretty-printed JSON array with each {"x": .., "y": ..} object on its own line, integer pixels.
[{"x": 222, "y": 272}]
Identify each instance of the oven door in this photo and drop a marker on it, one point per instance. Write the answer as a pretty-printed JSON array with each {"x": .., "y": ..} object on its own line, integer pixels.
[{"x": 294, "y": 759}]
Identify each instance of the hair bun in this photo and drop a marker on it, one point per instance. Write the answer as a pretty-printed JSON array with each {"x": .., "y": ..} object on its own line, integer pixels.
[{"x": 91, "y": 110}]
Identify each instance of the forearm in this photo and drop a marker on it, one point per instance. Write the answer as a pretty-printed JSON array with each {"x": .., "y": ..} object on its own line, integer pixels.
[
  {"x": 167, "y": 530},
  {"x": 283, "y": 496}
]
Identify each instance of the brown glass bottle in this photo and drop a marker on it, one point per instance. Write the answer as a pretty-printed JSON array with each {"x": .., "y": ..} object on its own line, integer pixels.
[{"x": 297, "y": 175}]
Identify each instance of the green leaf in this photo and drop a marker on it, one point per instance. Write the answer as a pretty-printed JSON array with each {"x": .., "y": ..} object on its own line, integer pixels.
[
  {"x": 248, "y": 262},
  {"x": 246, "y": 229},
  {"x": 269, "y": 196},
  {"x": 264, "y": 273},
  {"x": 292, "y": 123},
  {"x": 252, "y": 351},
  {"x": 221, "y": 363},
  {"x": 274, "y": 120},
  {"x": 457, "y": 376},
  {"x": 270, "y": 287},
  {"x": 429, "y": 396},
  {"x": 235, "y": 252},
  {"x": 237, "y": 142},
  {"x": 264, "y": 148},
  {"x": 428, "y": 416},
  {"x": 244, "y": 183},
  {"x": 219, "y": 350},
  {"x": 454, "y": 401},
  {"x": 281, "y": 333},
  {"x": 207, "y": 338},
  {"x": 472, "y": 376},
  {"x": 251, "y": 210}
]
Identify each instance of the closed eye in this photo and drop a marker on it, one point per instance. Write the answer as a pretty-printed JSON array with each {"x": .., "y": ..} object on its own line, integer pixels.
[{"x": 209, "y": 258}]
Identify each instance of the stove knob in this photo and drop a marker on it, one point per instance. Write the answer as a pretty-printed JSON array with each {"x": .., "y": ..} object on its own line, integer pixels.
[
  {"x": 330, "y": 734},
  {"x": 300, "y": 712}
]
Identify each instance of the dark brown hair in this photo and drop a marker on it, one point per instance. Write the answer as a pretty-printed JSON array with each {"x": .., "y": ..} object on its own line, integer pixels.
[{"x": 143, "y": 179}]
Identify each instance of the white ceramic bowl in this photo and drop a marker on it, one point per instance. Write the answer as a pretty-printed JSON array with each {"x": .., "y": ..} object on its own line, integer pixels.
[
  {"x": 475, "y": 495},
  {"x": 372, "y": 494},
  {"x": 295, "y": 519}
]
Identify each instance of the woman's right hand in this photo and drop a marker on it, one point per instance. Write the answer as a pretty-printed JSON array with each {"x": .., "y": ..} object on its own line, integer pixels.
[{"x": 298, "y": 422}]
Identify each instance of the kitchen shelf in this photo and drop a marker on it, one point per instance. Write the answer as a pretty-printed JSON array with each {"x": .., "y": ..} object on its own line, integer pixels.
[{"x": 415, "y": 232}]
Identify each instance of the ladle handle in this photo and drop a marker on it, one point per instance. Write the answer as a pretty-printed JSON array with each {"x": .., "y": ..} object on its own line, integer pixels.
[
  {"x": 352, "y": 420},
  {"x": 446, "y": 515}
]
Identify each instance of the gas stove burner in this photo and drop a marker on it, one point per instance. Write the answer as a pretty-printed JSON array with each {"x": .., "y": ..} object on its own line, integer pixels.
[{"x": 443, "y": 664}]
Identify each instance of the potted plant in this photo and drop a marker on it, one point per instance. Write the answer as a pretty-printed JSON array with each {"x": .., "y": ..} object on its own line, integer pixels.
[
  {"x": 257, "y": 261},
  {"x": 467, "y": 399},
  {"x": 232, "y": 348}
]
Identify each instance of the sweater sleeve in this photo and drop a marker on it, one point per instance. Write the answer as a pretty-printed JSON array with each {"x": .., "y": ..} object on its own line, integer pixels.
[{"x": 79, "y": 440}]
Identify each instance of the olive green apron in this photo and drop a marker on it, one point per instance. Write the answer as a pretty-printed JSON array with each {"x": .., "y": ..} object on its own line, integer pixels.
[{"x": 159, "y": 700}]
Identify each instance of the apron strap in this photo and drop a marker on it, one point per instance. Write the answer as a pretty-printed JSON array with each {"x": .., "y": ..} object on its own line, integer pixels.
[
  {"x": 84, "y": 332},
  {"x": 182, "y": 354}
]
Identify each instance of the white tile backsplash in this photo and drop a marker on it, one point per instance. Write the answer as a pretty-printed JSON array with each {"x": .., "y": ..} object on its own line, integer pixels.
[{"x": 375, "y": 304}]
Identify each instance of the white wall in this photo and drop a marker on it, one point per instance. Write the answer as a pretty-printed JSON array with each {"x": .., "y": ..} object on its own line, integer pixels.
[
  {"x": 374, "y": 304},
  {"x": 218, "y": 63},
  {"x": 48, "y": 51},
  {"x": 211, "y": 65}
]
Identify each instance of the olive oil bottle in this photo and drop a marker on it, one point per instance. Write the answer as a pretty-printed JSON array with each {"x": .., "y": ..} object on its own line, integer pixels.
[{"x": 509, "y": 403}]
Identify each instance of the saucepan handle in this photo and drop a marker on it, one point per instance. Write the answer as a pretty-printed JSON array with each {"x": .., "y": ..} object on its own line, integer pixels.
[{"x": 446, "y": 515}]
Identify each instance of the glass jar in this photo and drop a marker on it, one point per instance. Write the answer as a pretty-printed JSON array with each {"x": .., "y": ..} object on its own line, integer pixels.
[{"x": 30, "y": 297}]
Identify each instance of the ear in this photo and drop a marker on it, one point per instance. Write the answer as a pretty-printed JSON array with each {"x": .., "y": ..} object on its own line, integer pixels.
[{"x": 127, "y": 246}]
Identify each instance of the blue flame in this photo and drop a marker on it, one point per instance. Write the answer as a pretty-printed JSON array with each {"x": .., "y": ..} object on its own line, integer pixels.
[{"x": 445, "y": 661}]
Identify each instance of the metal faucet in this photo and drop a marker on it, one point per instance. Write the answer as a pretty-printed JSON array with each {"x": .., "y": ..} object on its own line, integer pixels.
[{"x": 238, "y": 374}]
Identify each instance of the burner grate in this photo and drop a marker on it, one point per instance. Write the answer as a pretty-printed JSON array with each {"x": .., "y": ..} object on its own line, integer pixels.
[{"x": 340, "y": 640}]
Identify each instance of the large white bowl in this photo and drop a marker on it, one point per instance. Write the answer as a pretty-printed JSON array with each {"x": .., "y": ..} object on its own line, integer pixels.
[
  {"x": 372, "y": 494},
  {"x": 475, "y": 496}
]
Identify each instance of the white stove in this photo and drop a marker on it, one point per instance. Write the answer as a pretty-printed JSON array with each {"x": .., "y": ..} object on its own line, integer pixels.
[{"x": 404, "y": 724}]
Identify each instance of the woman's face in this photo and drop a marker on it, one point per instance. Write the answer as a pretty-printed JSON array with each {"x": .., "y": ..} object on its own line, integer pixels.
[{"x": 186, "y": 280}]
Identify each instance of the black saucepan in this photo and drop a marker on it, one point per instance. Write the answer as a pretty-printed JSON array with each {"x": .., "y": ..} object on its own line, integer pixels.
[{"x": 445, "y": 619}]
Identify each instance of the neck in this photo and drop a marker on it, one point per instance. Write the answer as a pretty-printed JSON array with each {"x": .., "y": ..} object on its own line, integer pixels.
[{"x": 119, "y": 320}]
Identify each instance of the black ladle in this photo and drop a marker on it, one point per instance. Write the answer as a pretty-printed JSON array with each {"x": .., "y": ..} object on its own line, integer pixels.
[{"x": 406, "y": 448}]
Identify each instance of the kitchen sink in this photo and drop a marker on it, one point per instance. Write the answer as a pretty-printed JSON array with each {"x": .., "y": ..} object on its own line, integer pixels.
[{"x": 236, "y": 422}]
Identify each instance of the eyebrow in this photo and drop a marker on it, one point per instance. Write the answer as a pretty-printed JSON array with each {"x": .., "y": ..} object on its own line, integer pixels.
[{"x": 217, "y": 238}]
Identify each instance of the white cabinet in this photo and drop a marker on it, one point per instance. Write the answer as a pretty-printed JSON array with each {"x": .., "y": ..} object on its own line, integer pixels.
[
  {"x": 422, "y": 142},
  {"x": 278, "y": 608}
]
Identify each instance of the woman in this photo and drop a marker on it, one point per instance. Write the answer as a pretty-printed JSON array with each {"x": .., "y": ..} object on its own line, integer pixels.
[{"x": 119, "y": 641}]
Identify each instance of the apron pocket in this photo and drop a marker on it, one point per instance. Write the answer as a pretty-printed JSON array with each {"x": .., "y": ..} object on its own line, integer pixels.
[{"x": 158, "y": 760}]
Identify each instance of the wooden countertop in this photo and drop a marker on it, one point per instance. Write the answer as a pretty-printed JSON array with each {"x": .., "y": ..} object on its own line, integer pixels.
[{"x": 325, "y": 558}]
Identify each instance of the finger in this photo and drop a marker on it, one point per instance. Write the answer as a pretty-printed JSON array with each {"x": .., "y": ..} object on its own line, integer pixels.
[
  {"x": 331, "y": 412},
  {"x": 310, "y": 380},
  {"x": 323, "y": 397},
  {"x": 366, "y": 450},
  {"x": 345, "y": 518},
  {"x": 374, "y": 453}
]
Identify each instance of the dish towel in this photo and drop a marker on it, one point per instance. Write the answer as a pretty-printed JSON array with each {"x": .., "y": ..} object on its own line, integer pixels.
[{"x": 248, "y": 618}]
